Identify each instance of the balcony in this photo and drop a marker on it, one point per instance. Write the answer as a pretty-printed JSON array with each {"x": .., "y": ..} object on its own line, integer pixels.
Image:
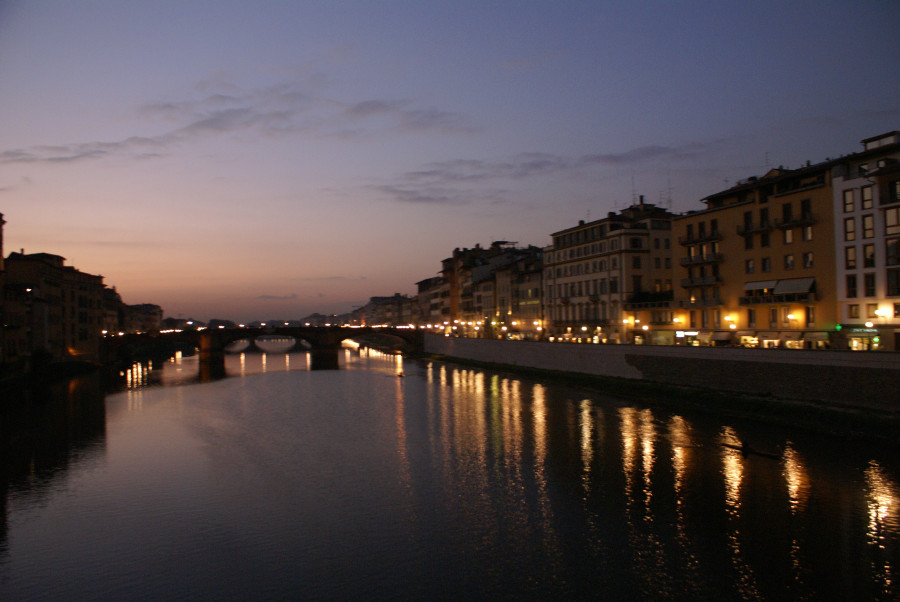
[
  {"x": 752, "y": 229},
  {"x": 688, "y": 304},
  {"x": 771, "y": 299},
  {"x": 799, "y": 221},
  {"x": 701, "y": 281},
  {"x": 701, "y": 237},
  {"x": 700, "y": 259}
]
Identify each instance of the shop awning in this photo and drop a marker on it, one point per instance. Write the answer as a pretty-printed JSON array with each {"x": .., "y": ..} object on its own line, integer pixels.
[
  {"x": 793, "y": 286},
  {"x": 759, "y": 285},
  {"x": 722, "y": 335},
  {"x": 767, "y": 336},
  {"x": 746, "y": 333},
  {"x": 790, "y": 335},
  {"x": 815, "y": 336}
]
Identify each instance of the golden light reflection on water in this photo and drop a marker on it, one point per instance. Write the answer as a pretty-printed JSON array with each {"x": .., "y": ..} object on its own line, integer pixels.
[
  {"x": 796, "y": 478},
  {"x": 586, "y": 423},
  {"x": 733, "y": 473},
  {"x": 883, "y": 528}
]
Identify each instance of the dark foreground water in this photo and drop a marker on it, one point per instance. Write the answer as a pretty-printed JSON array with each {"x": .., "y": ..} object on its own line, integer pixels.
[{"x": 446, "y": 483}]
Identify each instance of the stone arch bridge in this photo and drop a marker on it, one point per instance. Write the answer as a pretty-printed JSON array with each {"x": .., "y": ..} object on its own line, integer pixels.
[{"x": 324, "y": 342}]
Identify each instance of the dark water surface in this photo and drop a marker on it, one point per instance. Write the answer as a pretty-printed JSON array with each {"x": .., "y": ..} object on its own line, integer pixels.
[{"x": 446, "y": 483}]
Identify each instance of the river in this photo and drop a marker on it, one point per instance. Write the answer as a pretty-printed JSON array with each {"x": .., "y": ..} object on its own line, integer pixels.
[{"x": 394, "y": 478}]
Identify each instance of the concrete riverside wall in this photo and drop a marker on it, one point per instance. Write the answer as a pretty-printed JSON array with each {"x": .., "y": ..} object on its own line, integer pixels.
[{"x": 855, "y": 379}]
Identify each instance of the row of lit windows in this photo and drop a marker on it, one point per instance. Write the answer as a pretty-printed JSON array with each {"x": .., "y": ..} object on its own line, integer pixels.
[
  {"x": 892, "y": 255},
  {"x": 869, "y": 282},
  {"x": 866, "y": 199},
  {"x": 871, "y": 310},
  {"x": 806, "y": 233},
  {"x": 765, "y": 263},
  {"x": 604, "y": 286}
]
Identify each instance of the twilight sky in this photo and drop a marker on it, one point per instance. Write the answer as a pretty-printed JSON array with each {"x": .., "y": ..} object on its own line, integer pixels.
[{"x": 258, "y": 160}]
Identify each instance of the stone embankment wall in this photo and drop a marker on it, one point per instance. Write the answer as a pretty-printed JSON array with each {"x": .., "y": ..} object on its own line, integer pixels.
[{"x": 852, "y": 379}]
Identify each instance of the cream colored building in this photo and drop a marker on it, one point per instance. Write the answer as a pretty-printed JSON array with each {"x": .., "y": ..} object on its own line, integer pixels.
[
  {"x": 867, "y": 228},
  {"x": 601, "y": 278}
]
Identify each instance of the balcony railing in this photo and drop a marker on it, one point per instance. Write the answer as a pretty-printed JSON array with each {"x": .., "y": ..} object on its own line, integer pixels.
[
  {"x": 702, "y": 281},
  {"x": 688, "y": 304},
  {"x": 807, "y": 219},
  {"x": 753, "y": 228},
  {"x": 787, "y": 298},
  {"x": 700, "y": 259},
  {"x": 698, "y": 238}
]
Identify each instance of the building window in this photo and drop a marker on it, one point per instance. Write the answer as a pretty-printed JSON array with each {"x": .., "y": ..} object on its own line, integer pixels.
[
  {"x": 849, "y": 229},
  {"x": 866, "y": 197},
  {"x": 656, "y": 243},
  {"x": 868, "y": 226},
  {"x": 636, "y": 262},
  {"x": 893, "y": 286},
  {"x": 693, "y": 318},
  {"x": 773, "y": 317},
  {"x": 848, "y": 201},
  {"x": 668, "y": 262},
  {"x": 666, "y": 243},
  {"x": 785, "y": 315},
  {"x": 748, "y": 266},
  {"x": 807, "y": 260},
  {"x": 871, "y": 310},
  {"x": 894, "y": 191},
  {"x": 787, "y": 213},
  {"x": 869, "y": 285},
  {"x": 788, "y": 236},
  {"x": 810, "y": 315},
  {"x": 766, "y": 264},
  {"x": 868, "y": 256},
  {"x": 636, "y": 243},
  {"x": 892, "y": 252},
  {"x": 657, "y": 263},
  {"x": 763, "y": 239},
  {"x": 850, "y": 258},
  {"x": 892, "y": 220},
  {"x": 748, "y": 241},
  {"x": 807, "y": 233},
  {"x": 853, "y": 311},
  {"x": 751, "y": 318},
  {"x": 789, "y": 262},
  {"x": 851, "y": 286}
]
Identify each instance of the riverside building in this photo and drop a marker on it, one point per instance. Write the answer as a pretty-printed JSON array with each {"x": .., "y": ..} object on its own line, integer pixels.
[
  {"x": 756, "y": 267},
  {"x": 867, "y": 228},
  {"x": 610, "y": 280}
]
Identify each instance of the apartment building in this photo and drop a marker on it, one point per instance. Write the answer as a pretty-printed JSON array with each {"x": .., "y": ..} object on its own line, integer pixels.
[
  {"x": 54, "y": 309},
  {"x": 472, "y": 304},
  {"x": 608, "y": 279},
  {"x": 867, "y": 225},
  {"x": 756, "y": 267}
]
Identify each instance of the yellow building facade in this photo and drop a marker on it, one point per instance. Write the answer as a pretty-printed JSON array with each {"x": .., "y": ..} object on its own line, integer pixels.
[{"x": 756, "y": 267}]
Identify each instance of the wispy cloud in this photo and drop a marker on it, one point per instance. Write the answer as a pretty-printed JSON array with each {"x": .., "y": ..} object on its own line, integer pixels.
[
  {"x": 278, "y": 297},
  {"x": 275, "y": 111},
  {"x": 460, "y": 181}
]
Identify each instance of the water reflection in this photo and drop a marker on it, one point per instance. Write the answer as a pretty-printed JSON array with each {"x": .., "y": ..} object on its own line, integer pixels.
[
  {"x": 883, "y": 526},
  {"x": 430, "y": 480},
  {"x": 43, "y": 432}
]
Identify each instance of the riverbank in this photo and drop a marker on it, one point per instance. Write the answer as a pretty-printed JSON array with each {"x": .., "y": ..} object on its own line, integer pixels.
[{"x": 847, "y": 393}]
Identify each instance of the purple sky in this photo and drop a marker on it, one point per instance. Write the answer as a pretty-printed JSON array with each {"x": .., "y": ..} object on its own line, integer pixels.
[{"x": 256, "y": 160}]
